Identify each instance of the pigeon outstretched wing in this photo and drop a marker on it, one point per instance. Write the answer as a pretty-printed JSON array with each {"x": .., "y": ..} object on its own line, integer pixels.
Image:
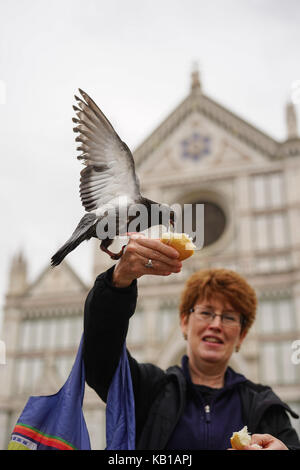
[
  {"x": 110, "y": 170},
  {"x": 108, "y": 179}
]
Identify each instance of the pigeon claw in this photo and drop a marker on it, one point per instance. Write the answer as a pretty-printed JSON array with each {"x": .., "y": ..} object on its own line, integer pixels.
[{"x": 114, "y": 256}]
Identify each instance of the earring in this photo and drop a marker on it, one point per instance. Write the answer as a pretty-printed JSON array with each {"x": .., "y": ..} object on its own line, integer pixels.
[
  {"x": 184, "y": 335},
  {"x": 237, "y": 348}
]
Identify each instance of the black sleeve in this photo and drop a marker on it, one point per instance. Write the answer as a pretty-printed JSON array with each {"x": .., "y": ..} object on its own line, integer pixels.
[
  {"x": 106, "y": 318},
  {"x": 277, "y": 423}
]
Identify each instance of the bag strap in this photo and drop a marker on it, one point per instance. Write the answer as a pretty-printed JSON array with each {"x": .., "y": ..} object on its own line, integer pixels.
[
  {"x": 120, "y": 408},
  {"x": 76, "y": 379}
]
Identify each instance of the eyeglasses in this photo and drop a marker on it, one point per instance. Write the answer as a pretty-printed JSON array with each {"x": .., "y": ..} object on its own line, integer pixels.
[{"x": 229, "y": 320}]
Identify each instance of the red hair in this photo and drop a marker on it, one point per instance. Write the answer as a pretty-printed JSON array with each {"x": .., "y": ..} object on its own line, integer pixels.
[{"x": 223, "y": 284}]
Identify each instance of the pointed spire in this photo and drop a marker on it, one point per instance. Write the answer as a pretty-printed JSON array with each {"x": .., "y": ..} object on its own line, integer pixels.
[
  {"x": 18, "y": 275},
  {"x": 195, "y": 78},
  {"x": 291, "y": 121}
]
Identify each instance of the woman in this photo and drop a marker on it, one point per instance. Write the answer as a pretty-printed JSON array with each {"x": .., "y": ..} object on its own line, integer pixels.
[{"x": 200, "y": 404}]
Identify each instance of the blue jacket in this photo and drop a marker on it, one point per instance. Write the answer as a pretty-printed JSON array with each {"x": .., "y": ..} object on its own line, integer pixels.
[{"x": 199, "y": 425}]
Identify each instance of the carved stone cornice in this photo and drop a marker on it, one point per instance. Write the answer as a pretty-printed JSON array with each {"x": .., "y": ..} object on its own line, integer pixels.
[
  {"x": 208, "y": 174},
  {"x": 52, "y": 312},
  {"x": 46, "y": 303}
]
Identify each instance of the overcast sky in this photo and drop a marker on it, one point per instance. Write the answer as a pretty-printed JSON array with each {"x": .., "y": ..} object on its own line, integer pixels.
[{"x": 134, "y": 58}]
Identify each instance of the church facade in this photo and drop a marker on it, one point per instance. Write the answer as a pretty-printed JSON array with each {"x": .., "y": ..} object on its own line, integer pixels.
[{"x": 249, "y": 185}]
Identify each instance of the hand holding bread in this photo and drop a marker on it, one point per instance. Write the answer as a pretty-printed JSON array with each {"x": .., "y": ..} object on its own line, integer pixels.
[
  {"x": 242, "y": 440},
  {"x": 139, "y": 250}
]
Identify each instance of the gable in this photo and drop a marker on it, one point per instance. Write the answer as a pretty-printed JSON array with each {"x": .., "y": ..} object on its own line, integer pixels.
[
  {"x": 198, "y": 144},
  {"x": 201, "y": 133},
  {"x": 57, "y": 280}
]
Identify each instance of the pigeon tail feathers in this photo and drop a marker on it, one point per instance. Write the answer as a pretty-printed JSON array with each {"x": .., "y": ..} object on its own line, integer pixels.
[{"x": 84, "y": 231}]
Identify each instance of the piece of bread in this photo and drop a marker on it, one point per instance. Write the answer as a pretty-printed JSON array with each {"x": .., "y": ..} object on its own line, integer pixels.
[
  {"x": 181, "y": 242},
  {"x": 240, "y": 439}
]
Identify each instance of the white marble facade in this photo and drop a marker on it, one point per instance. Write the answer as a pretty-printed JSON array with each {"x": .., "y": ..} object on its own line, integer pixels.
[{"x": 200, "y": 153}]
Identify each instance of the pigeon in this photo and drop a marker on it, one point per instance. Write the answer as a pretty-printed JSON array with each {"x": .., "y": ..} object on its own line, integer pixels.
[{"x": 108, "y": 177}]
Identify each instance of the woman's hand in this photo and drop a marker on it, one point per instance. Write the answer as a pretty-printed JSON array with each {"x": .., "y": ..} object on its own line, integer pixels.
[
  {"x": 265, "y": 442},
  {"x": 137, "y": 253}
]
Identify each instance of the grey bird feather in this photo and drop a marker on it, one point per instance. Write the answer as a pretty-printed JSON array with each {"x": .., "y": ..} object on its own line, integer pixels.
[{"x": 109, "y": 173}]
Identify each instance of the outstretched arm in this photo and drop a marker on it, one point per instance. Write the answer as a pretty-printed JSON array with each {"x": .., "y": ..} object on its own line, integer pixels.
[
  {"x": 112, "y": 302},
  {"x": 106, "y": 318}
]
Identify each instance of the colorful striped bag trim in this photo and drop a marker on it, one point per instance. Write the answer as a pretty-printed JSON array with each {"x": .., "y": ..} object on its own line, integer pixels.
[{"x": 32, "y": 433}]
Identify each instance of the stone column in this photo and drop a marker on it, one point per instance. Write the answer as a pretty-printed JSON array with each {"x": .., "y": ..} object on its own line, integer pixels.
[
  {"x": 244, "y": 222},
  {"x": 10, "y": 333},
  {"x": 292, "y": 194}
]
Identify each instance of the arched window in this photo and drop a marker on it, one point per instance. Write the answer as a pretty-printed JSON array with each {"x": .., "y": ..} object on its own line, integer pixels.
[{"x": 214, "y": 220}]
